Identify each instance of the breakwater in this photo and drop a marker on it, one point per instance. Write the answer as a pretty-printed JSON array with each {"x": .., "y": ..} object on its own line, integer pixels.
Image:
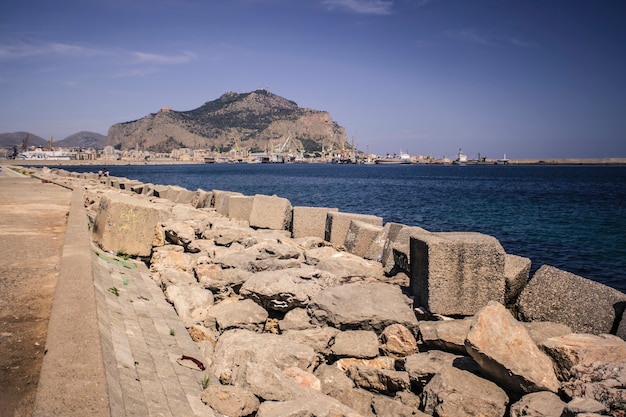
[{"x": 336, "y": 312}]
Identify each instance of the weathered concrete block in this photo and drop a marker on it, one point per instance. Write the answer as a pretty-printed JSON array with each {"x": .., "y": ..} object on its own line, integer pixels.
[
  {"x": 397, "y": 250},
  {"x": 126, "y": 184},
  {"x": 270, "y": 212},
  {"x": 127, "y": 224},
  {"x": 240, "y": 207},
  {"x": 376, "y": 251},
  {"x": 159, "y": 190},
  {"x": 338, "y": 223},
  {"x": 516, "y": 276},
  {"x": 456, "y": 273},
  {"x": 182, "y": 196},
  {"x": 562, "y": 297},
  {"x": 221, "y": 201},
  {"x": 201, "y": 198},
  {"x": 360, "y": 237},
  {"x": 310, "y": 221},
  {"x": 145, "y": 189}
]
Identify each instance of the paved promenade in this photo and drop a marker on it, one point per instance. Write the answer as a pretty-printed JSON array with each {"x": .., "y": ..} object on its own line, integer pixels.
[{"x": 114, "y": 345}]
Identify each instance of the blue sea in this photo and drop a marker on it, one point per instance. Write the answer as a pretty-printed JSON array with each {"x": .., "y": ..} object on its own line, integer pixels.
[{"x": 572, "y": 217}]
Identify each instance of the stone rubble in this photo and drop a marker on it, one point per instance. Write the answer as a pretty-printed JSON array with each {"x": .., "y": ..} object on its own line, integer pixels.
[{"x": 421, "y": 324}]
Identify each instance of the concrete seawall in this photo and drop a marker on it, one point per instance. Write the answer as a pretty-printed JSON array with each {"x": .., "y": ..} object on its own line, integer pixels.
[{"x": 116, "y": 347}]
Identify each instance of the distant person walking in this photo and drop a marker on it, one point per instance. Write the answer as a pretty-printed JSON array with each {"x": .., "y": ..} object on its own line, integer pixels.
[
  {"x": 106, "y": 172},
  {"x": 100, "y": 172}
]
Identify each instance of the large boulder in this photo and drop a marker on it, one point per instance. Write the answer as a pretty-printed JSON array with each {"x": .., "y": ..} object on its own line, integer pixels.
[
  {"x": 507, "y": 354},
  {"x": 242, "y": 314},
  {"x": 538, "y": 404},
  {"x": 229, "y": 400},
  {"x": 457, "y": 393},
  {"x": 355, "y": 344},
  {"x": 562, "y": 297},
  {"x": 446, "y": 335},
  {"x": 363, "y": 306},
  {"x": 190, "y": 301},
  {"x": 456, "y": 273},
  {"x": 281, "y": 290}
]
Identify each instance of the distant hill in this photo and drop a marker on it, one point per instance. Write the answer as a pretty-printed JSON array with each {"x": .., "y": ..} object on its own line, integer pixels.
[
  {"x": 83, "y": 140},
  {"x": 9, "y": 140},
  {"x": 254, "y": 121},
  {"x": 77, "y": 140}
]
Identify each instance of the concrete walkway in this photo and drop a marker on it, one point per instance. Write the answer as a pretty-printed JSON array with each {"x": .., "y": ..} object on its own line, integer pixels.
[{"x": 114, "y": 345}]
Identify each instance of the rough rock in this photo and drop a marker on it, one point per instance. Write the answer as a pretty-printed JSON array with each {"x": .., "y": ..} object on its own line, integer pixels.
[
  {"x": 244, "y": 314},
  {"x": 538, "y": 404},
  {"x": 583, "y": 405},
  {"x": 540, "y": 331},
  {"x": 317, "y": 338},
  {"x": 457, "y": 393},
  {"x": 555, "y": 295},
  {"x": 421, "y": 367},
  {"x": 447, "y": 335},
  {"x": 280, "y": 290},
  {"x": 295, "y": 319},
  {"x": 385, "y": 381},
  {"x": 231, "y": 401},
  {"x": 506, "y": 353},
  {"x": 306, "y": 406},
  {"x": 190, "y": 301},
  {"x": 347, "y": 267},
  {"x": 397, "y": 341},
  {"x": 363, "y": 306},
  {"x": 355, "y": 343}
]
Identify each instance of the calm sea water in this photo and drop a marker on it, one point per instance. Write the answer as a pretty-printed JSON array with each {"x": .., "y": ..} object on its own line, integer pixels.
[{"x": 570, "y": 217}]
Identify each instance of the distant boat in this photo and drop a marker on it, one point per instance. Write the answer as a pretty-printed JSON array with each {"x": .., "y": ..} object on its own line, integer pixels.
[
  {"x": 403, "y": 158},
  {"x": 502, "y": 161},
  {"x": 461, "y": 159}
]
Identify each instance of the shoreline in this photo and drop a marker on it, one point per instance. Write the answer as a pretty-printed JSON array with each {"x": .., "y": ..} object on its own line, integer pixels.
[{"x": 517, "y": 162}]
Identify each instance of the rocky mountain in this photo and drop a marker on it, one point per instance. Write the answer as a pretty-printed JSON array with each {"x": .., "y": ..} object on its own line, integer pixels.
[
  {"x": 83, "y": 140},
  {"x": 254, "y": 121}
]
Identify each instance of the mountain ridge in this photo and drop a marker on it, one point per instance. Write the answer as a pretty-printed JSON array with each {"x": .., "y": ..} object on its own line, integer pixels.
[{"x": 256, "y": 121}]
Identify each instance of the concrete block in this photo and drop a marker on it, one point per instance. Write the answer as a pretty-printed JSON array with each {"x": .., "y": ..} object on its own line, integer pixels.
[
  {"x": 159, "y": 190},
  {"x": 310, "y": 221},
  {"x": 138, "y": 188},
  {"x": 240, "y": 207},
  {"x": 221, "y": 201},
  {"x": 128, "y": 184},
  {"x": 376, "y": 251},
  {"x": 201, "y": 198},
  {"x": 360, "y": 237},
  {"x": 516, "y": 276},
  {"x": 338, "y": 223},
  {"x": 456, "y": 273},
  {"x": 396, "y": 253},
  {"x": 183, "y": 195},
  {"x": 559, "y": 296},
  {"x": 271, "y": 212},
  {"x": 127, "y": 224}
]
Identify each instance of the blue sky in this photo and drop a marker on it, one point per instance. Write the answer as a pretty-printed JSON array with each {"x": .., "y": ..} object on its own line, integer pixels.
[{"x": 529, "y": 78}]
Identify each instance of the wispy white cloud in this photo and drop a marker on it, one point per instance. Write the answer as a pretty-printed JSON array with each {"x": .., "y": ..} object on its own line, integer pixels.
[
  {"x": 476, "y": 37},
  {"x": 470, "y": 36},
  {"x": 161, "y": 59},
  {"x": 21, "y": 49},
  {"x": 375, "y": 7}
]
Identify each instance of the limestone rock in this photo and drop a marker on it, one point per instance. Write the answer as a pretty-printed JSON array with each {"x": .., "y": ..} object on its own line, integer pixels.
[
  {"x": 385, "y": 381},
  {"x": 506, "y": 353},
  {"x": 307, "y": 405},
  {"x": 540, "y": 331},
  {"x": 190, "y": 301},
  {"x": 295, "y": 319},
  {"x": 244, "y": 314},
  {"x": 317, "y": 338},
  {"x": 280, "y": 290},
  {"x": 231, "y": 401},
  {"x": 456, "y": 393},
  {"x": 398, "y": 341},
  {"x": 362, "y": 306},
  {"x": 422, "y": 367},
  {"x": 538, "y": 404},
  {"x": 355, "y": 343},
  {"x": 555, "y": 295},
  {"x": 447, "y": 335},
  {"x": 346, "y": 267}
]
